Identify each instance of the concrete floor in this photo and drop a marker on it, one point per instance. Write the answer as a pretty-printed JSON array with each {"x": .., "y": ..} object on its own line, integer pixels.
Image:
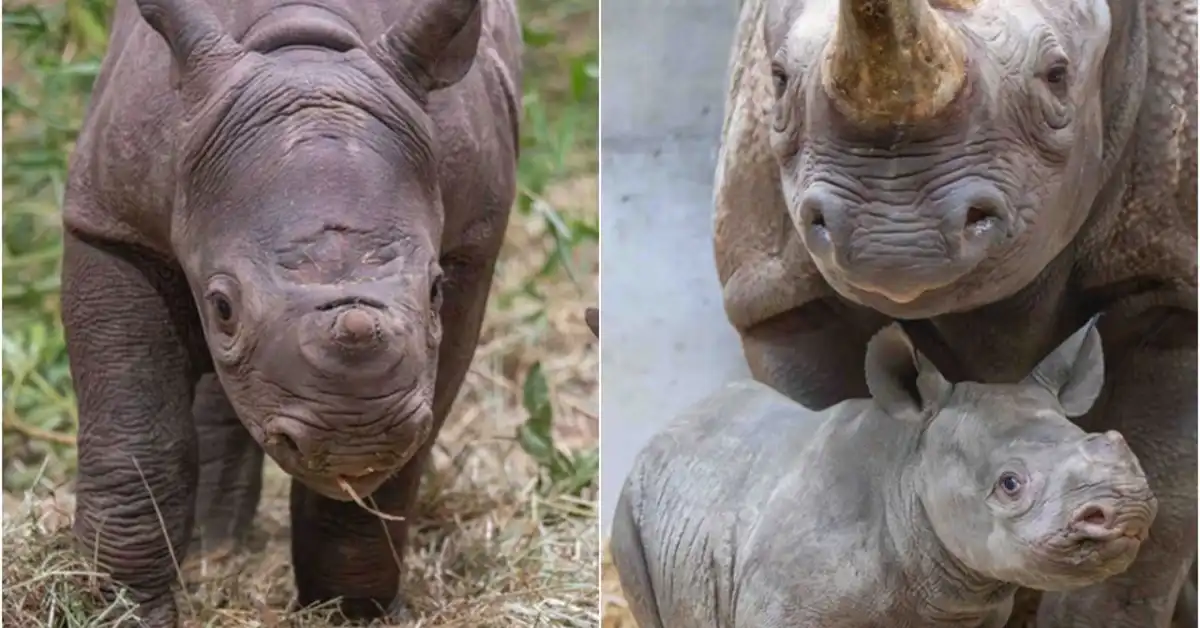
[{"x": 666, "y": 341}]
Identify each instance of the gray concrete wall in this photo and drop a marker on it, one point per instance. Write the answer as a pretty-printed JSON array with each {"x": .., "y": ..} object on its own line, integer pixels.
[{"x": 665, "y": 338}]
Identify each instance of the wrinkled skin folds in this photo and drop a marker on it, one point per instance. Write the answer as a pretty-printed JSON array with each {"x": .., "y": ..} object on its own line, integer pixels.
[
  {"x": 1038, "y": 167},
  {"x": 925, "y": 505},
  {"x": 281, "y": 224}
]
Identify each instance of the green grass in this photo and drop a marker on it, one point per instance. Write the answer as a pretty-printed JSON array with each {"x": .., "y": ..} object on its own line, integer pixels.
[{"x": 524, "y": 557}]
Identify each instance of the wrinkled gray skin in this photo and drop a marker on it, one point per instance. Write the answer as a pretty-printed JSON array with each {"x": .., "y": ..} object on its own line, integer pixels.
[
  {"x": 924, "y": 505},
  {"x": 1040, "y": 168},
  {"x": 281, "y": 223}
]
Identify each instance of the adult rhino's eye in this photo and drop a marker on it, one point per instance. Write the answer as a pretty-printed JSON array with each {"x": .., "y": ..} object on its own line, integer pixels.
[
  {"x": 435, "y": 291},
  {"x": 1010, "y": 483},
  {"x": 1056, "y": 76},
  {"x": 780, "y": 78}
]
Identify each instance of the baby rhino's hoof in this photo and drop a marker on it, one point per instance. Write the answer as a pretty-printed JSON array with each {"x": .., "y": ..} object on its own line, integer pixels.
[
  {"x": 367, "y": 609},
  {"x": 159, "y": 613}
]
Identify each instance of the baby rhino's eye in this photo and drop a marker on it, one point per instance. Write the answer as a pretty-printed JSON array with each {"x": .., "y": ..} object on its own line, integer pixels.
[{"x": 1010, "y": 483}]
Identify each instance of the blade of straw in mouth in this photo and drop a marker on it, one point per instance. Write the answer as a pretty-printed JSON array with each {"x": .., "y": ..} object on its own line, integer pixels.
[{"x": 361, "y": 504}]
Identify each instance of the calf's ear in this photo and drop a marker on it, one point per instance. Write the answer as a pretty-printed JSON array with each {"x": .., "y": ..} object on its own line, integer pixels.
[
  {"x": 434, "y": 44},
  {"x": 1074, "y": 371},
  {"x": 901, "y": 380},
  {"x": 199, "y": 44}
]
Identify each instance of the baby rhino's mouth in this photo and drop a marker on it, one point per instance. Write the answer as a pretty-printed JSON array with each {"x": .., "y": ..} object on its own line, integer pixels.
[{"x": 349, "y": 486}]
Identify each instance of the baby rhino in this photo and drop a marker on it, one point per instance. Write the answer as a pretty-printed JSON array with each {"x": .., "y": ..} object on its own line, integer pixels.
[{"x": 925, "y": 505}]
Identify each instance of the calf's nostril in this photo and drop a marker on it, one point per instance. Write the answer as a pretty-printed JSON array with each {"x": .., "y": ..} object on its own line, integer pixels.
[{"x": 1095, "y": 516}]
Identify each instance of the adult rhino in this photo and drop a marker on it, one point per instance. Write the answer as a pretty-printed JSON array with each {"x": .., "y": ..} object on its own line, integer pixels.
[
  {"x": 992, "y": 173},
  {"x": 281, "y": 222}
]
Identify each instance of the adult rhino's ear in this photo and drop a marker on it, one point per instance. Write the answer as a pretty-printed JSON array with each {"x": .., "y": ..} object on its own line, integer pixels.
[
  {"x": 1074, "y": 371},
  {"x": 198, "y": 41},
  {"x": 592, "y": 317},
  {"x": 434, "y": 44},
  {"x": 901, "y": 380}
]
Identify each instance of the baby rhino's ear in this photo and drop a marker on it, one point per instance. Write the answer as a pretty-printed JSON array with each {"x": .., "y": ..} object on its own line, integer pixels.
[
  {"x": 1074, "y": 371},
  {"x": 902, "y": 381}
]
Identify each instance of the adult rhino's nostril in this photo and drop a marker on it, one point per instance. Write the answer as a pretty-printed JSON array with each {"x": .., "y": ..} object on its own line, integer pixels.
[
  {"x": 818, "y": 214},
  {"x": 982, "y": 217},
  {"x": 984, "y": 213},
  {"x": 976, "y": 216}
]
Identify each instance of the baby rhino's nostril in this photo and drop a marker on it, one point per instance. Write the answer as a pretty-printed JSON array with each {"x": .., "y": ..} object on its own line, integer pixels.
[
  {"x": 1095, "y": 521},
  {"x": 1094, "y": 515}
]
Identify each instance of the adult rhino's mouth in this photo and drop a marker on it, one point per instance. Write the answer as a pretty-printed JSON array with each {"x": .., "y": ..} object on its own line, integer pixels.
[
  {"x": 900, "y": 291},
  {"x": 896, "y": 296}
]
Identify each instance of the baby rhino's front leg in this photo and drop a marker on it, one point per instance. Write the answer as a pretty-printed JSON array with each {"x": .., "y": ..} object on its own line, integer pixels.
[
  {"x": 129, "y": 331},
  {"x": 629, "y": 557},
  {"x": 340, "y": 550}
]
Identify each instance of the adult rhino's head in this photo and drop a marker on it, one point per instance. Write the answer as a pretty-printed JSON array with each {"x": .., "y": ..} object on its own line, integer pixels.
[
  {"x": 1010, "y": 486},
  {"x": 936, "y": 155},
  {"x": 308, "y": 219}
]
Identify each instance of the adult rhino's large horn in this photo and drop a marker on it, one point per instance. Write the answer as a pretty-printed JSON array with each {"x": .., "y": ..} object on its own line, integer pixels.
[
  {"x": 433, "y": 45},
  {"x": 893, "y": 61}
]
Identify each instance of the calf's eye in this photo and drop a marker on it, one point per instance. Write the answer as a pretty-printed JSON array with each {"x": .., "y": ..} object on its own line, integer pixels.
[
  {"x": 223, "y": 308},
  {"x": 1010, "y": 483}
]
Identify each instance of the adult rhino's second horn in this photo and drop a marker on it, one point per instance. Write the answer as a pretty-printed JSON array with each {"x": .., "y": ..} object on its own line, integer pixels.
[{"x": 893, "y": 61}]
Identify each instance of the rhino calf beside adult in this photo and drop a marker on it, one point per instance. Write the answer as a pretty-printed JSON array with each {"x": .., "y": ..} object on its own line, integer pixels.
[
  {"x": 994, "y": 173},
  {"x": 281, "y": 222},
  {"x": 924, "y": 505}
]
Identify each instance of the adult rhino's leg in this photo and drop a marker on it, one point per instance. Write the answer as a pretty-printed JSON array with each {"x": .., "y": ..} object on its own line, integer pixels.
[
  {"x": 338, "y": 549},
  {"x": 814, "y": 353},
  {"x": 132, "y": 334},
  {"x": 231, "y": 466},
  {"x": 1150, "y": 396}
]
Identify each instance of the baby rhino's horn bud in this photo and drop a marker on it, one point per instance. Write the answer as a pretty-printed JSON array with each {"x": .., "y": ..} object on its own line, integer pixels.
[
  {"x": 1107, "y": 447},
  {"x": 356, "y": 329}
]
